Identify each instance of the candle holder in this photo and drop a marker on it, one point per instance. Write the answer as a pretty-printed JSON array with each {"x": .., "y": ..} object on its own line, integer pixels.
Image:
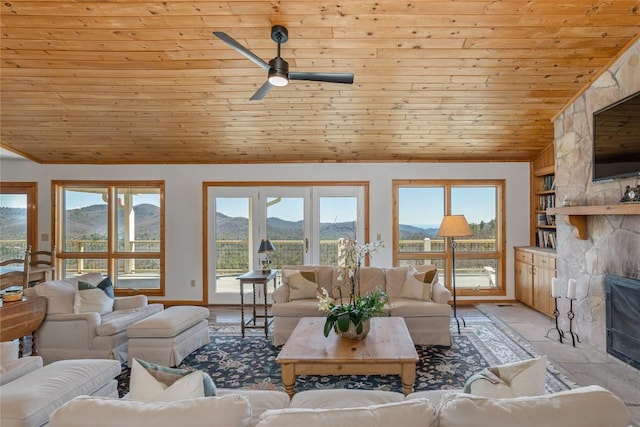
[
  {"x": 556, "y": 314},
  {"x": 571, "y": 315}
]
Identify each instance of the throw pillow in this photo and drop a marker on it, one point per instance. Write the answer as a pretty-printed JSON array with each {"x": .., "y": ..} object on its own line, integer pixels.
[
  {"x": 168, "y": 376},
  {"x": 524, "y": 378},
  {"x": 417, "y": 285},
  {"x": 302, "y": 284},
  {"x": 143, "y": 386},
  {"x": 60, "y": 295},
  {"x": 98, "y": 299}
]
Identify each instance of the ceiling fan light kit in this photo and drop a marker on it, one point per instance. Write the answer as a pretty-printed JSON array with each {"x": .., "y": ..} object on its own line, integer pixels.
[
  {"x": 278, "y": 72},
  {"x": 278, "y": 69}
]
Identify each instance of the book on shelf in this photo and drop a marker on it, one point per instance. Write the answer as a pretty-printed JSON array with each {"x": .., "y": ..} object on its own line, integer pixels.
[
  {"x": 542, "y": 219},
  {"x": 547, "y": 239},
  {"x": 546, "y": 220},
  {"x": 548, "y": 182},
  {"x": 546, "y": 201}
]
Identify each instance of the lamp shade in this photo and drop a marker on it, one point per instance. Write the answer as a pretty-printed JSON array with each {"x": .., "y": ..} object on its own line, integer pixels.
[
  {"x": 266, "y": 247},
  {"x": 454, "y": 226}
]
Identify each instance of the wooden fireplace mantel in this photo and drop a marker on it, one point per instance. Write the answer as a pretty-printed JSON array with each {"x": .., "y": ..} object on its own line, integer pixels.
[{"x": 576, "y": 216}]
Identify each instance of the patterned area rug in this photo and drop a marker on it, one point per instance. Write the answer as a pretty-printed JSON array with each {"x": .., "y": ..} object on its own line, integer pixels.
[{"x": 236, "y": 362}]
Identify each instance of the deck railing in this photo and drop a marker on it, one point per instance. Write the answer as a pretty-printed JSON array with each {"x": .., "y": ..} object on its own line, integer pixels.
[{"x": 233, "y": 255}]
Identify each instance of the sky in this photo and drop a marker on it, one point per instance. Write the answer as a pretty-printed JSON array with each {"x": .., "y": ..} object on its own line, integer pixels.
[
  {"x": 332, "y": 209},
  {"x": 418, "y": 206},
  {"x": 425, "y": 206},
  {"x": 13, "y": 201}
]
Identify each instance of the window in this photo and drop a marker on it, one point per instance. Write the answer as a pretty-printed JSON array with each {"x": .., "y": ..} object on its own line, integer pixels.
[
  {"x": 18, "y": 218},
  {"x": 420, "y": 207},
  {"x": 115, "y": 228},
  {"x": 303, "y": 221}
]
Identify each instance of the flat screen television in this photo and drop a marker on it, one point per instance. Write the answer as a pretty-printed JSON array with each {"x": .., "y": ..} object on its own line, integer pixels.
[{"x": 616, "y": 140}]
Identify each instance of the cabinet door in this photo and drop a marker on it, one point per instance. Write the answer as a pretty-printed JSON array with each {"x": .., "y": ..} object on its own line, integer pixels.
[
  {"x": 544, "y": 271},
  {"x": 542, "y": 290},
  {"x": 524, "y": 282}
]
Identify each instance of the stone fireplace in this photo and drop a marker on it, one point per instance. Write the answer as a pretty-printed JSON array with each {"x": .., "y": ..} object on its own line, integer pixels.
[{"x": 612, "y": 245}]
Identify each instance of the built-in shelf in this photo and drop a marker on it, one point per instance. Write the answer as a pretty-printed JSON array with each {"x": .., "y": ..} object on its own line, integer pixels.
[{"x": 576, "y": 216}]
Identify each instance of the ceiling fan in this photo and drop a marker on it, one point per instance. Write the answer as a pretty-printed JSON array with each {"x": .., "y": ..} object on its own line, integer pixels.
[{"x": 278, "y": 68}]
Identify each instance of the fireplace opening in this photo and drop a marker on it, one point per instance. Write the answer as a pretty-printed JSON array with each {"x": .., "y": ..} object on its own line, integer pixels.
[{"x": 623, "y": 318}]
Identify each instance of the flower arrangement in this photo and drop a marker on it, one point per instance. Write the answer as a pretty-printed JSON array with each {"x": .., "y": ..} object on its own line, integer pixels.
[{"x": 360, "y": 308}]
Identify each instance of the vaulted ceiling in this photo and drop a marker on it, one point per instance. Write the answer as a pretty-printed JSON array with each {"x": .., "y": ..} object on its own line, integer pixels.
[{"x": 127, "y": 81}]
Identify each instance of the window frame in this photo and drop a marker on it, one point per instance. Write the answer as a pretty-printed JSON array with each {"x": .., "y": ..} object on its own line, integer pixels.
[
  {"x": 499, "y": 254},
  {"x": 30, "y": 189},
  {"x": 112, "y": 254}
]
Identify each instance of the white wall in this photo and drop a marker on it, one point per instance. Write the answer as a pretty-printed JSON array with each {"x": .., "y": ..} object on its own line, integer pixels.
[{"x": 183, "y": 201}]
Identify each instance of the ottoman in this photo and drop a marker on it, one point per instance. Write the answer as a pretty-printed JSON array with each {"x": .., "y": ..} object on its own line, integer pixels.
[
  {"x": 166, "y": 338},
  {"x": 28, "y": 400}
]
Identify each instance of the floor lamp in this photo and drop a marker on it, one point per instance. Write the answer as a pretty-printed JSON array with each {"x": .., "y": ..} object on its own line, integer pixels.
[{"x": 454, "y": 226}]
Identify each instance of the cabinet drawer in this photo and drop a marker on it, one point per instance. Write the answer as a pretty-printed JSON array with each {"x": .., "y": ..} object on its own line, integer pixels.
[
  {"x": 524, "y": 256},
  {"x": 545, "y": 261}
]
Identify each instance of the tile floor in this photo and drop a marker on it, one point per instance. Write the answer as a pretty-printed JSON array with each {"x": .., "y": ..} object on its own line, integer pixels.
[{"x": 582, "y": 364}]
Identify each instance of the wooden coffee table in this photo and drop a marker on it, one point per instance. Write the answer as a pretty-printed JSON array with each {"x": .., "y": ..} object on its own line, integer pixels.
[{"x": 388, "y": 349}]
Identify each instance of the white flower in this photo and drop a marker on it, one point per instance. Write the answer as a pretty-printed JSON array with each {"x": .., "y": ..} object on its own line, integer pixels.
[{"x": 324, "y": 301}]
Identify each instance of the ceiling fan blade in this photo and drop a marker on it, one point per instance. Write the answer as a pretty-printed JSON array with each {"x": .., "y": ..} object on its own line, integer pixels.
[
  {"x": 323, "y": 77},
  {"x": 262, "y": 92},
  {"x": 241, "y": 49}
]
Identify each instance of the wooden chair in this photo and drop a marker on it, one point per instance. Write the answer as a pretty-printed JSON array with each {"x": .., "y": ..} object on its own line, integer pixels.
[
  {"x": 46, "y": 259},
  {"x": 15, "y": 272}
]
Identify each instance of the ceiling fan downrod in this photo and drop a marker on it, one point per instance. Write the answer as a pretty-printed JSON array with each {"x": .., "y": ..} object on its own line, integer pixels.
[{"x": 278, "y": 67}]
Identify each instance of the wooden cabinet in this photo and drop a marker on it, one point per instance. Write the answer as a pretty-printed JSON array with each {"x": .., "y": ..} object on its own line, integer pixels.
[
  {"x": 534, "y": 269},
  {"x": 543, "y": 197}
]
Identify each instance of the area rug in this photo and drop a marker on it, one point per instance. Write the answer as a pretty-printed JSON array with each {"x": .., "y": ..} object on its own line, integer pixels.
[{"x": 249, "y": 363}]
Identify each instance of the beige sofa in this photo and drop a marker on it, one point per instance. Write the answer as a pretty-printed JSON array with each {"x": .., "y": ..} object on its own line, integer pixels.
[
  {"x": 591, "y": 406},
  {"x": 65, "y": 334},
  {"x": 427, "y": 320},
  {"x": 30, "y": 392}
]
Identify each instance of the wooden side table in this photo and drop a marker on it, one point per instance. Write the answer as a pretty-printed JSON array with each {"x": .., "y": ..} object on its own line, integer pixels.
[
  {"x": 21, "y": 318},
  {"x": 257, "y": 277}
]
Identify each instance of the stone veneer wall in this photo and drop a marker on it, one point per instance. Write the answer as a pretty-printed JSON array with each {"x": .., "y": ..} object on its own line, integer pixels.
[{"x": 613, "y": 242}]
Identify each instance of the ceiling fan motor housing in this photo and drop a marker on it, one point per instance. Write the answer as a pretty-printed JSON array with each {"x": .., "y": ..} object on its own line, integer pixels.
[{"x": 279, "y": 64}]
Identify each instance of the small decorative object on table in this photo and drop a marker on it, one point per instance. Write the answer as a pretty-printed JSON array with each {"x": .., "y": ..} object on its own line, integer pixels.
[
  {"x": 631, "y": 195},
  {"x": 351, "y": 320},
  {"x": 266, "y": 247},
  {"x": 11, "y": 296}
]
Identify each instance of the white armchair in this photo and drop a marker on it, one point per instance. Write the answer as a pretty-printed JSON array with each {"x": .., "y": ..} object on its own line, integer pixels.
[{"x": 66, "y": 334}]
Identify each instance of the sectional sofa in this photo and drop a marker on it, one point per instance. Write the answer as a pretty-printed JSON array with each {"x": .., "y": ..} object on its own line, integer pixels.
[
  {"x": 591, "y": 406},
  {"x": 427, "y": 315}
]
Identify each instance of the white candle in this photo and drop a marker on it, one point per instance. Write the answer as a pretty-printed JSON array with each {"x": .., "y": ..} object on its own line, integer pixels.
[
  {"x": 571, "y": 291},
  {"x": 554, "y": 288}
]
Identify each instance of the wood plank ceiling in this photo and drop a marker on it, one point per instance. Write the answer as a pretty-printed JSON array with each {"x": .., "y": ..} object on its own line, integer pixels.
[{"x": 126, "y": 81}]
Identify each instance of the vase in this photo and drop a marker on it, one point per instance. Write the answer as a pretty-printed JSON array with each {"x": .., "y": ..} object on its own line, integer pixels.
[{"x": 351, "y": 332}]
